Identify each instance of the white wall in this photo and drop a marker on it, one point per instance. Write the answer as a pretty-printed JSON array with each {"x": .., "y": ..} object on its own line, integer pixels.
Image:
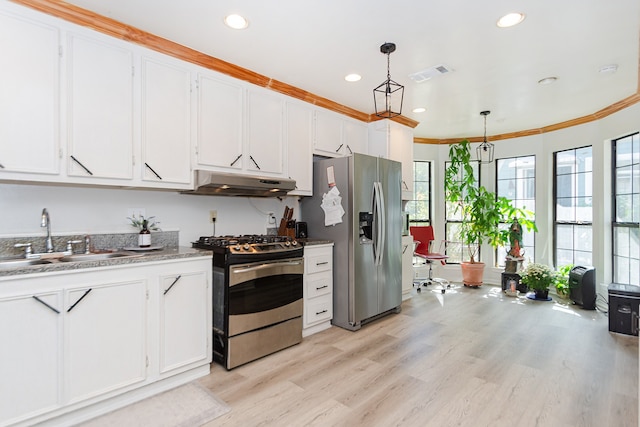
[
  {"x": 103, "y": 210},
  {"x": 598, "y": 134}
]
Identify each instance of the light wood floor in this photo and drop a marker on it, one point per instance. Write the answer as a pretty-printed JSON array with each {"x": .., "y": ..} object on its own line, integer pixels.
[{"x": 471, "y": 357}]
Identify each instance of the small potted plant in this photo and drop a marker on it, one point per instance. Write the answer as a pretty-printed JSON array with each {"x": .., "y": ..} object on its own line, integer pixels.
[
  {"x": 561, "y": 280},
  {"x": 146, "y": 226},
  {"x": 538, "y": 278}
]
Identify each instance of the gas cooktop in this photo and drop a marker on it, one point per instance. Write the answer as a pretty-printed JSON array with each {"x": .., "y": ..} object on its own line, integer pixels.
[{"x": 247, "y": 244}]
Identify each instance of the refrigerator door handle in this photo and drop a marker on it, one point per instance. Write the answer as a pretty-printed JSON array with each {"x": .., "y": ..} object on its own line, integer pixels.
[
  {"x": 378, "y": 218},
  {"x": 383, "y": 222}
]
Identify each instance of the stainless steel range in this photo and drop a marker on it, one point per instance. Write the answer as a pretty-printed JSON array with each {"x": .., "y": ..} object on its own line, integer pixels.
[{"x": 257, "y": 296}]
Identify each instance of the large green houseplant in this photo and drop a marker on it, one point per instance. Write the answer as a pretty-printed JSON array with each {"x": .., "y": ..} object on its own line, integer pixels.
[{"x": 480, "y": 211}]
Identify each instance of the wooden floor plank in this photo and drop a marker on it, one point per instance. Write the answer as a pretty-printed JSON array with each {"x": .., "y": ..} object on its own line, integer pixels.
[{"x": 469, "y": 357}]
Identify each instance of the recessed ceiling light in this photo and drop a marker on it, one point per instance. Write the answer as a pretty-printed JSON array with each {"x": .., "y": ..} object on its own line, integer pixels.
[
  {"x": 352, "y": 77},
  {"x": 547, "y": 80},
  {"x": 510, "y": 19},
  {"x": 419, "y": 110},
  {"x": 236, "y": 22}
]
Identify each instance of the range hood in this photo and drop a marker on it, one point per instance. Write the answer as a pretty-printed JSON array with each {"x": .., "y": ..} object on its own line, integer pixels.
[{"x": 227, "y": 184}]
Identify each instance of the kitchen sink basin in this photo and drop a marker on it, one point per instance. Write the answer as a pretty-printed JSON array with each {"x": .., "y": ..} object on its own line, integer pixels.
[
  {"x": 95, "y": 257},
  {"x": 16, "y": 263}
]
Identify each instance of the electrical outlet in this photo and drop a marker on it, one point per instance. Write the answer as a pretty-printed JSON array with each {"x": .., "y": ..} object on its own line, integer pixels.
[{"x": 213, "y": 216}]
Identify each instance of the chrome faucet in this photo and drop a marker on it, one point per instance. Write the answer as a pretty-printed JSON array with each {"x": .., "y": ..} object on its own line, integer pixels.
[{"x": 46, "y": 222}]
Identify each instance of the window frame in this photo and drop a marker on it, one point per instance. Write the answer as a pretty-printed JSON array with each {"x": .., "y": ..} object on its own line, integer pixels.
[
  {"x": 628, "y": 225},
  {"x": 572, "y": 223},
  {"x": 455, "y": 250},
  {"x": 422, "y": 221},
  {"x": 528, "y": 255}
]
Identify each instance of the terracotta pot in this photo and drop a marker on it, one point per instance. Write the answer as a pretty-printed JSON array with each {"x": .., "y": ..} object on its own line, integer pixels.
[{"x": 472, "y": 273}]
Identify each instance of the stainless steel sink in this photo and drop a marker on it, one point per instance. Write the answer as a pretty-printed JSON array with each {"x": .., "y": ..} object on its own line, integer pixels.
[
  {"x": 16, "y": 263},
  {"x": 95, "y": 257}
]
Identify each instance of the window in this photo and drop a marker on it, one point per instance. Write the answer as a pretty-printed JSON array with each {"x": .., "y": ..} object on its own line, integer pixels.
[
  {"x": 573, "y": 214},
  {"x": 456, "y": 252},
  {"x": 626, "y": 210},
  {"x": 419, "y": 208},
  {"x": 516, "y": 180}
]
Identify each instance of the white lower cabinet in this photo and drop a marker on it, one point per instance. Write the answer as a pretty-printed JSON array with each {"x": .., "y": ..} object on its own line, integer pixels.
[
  {"x": 184, "y": 311},
  {"x": 31, "y": 355},
  {"x": 76, "y": 344},
  {"x": 318, "y": 288},
  {"x": 104, "y": 337}
]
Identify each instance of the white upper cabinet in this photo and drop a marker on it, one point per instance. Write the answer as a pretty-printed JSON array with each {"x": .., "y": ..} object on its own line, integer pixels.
[
  {"x": 394, "y": 141},
  {"x": 166, "y": 123},
  {"x": 220, "y": 107},
  {"x": 299, "y": 140},
  {"x": 240, "y": 127},
  {"x": 264, "y": 141},
  {"x": 29, "y": 101},
  {"x": 99, "y": 108},
  {"x": 356, "y": 136},
  {"x": 337, "y": 135}
]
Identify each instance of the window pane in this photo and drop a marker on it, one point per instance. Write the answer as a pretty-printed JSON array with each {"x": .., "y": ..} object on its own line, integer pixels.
[
  {"x": 564, "y": 237},
  {"x": 573, "y": 187},
  {"x": 564, "y": 187},
  {"x": 626, "y": 198},
  {"x": 419, "y": 208},
  {"x": 583, "y": 159},
  {"x": 582, "y": 238}
]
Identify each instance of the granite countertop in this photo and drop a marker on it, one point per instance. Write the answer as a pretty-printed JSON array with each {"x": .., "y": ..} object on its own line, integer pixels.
[{"x": 136, "y": 257}]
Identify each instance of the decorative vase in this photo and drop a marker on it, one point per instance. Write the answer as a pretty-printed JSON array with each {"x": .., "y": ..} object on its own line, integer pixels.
[{"x": 472, "y": 273}]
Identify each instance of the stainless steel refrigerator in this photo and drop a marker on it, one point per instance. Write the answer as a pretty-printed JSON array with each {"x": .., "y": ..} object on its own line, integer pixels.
[{"x": 367, "y": 258}]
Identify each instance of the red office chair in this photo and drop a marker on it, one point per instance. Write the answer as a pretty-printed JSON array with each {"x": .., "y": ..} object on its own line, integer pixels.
[{"x": 424, "y": 250}]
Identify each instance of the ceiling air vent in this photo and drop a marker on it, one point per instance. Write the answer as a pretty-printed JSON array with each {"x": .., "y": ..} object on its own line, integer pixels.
[{"x": 429, "y": 73}]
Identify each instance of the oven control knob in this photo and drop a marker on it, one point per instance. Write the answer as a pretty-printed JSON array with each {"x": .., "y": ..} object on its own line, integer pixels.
[
  {"x": 246, "y": 247},
  {"x": 287, "y": 243},
  {"x": 294, "y": 243},
  {"x": 237, "y": 247}
]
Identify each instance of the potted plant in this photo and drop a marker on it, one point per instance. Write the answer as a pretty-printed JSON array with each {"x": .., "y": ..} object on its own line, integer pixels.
[
  {"x": 480, "y": 211},
  {"x": 538, "y": 278},
  {"x": 561, "y": 281}
]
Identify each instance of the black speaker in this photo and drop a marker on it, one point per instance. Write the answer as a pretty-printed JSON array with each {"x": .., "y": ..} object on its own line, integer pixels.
[
  {"x": 301, "y": 230},
  {"x": 582, "y": 286}
]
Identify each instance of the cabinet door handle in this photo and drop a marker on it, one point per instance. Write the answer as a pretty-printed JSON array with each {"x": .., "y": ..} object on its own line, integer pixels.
[
  {"x": 405, "y": 248},
  {"x": 338, "y": 149},
  {"x": 1, "y": 166},
  {"x": 154, "y": 172},
  {"x": 321, "y": 287},
  {"x": 634, "y": 322},
  {"x": 406, "y": 187},
  {"x": 321, "y": 312},
  {"x": 174, "y": 282},
  {"x": 45, "y": 304},
  {"x": 254, "y": 162},
  {"x": 79, "y": 299},
  {"x": 81, "y": 165},
  {"x": 234, "y": 162},
  {"x": 349, "y": 148},
  {"x": 322, "y": 263}
]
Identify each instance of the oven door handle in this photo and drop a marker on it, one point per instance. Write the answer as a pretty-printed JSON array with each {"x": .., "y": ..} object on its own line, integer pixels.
[{"x": 263, "y": 266}]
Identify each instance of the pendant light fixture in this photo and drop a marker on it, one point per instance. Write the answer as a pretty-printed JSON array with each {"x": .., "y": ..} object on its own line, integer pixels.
[
  {"x": 389, "y": 95},
  {"x": 484, "y": 151}
]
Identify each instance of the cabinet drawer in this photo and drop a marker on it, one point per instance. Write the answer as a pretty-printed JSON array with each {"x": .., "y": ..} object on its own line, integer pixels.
[
  {"x": 318, "y": 310},
  {"x": 319, "y": 284},
  {"x": 319, "y": 262}
]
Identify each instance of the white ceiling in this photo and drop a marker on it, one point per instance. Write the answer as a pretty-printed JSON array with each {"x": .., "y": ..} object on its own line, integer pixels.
[{"x": 314, "y": 44}]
